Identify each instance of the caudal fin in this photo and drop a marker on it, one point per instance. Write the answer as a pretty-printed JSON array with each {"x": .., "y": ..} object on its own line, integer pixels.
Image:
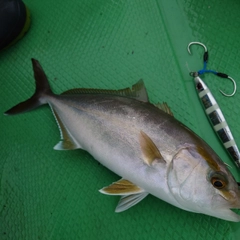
[{"x": 37, "y": 99}]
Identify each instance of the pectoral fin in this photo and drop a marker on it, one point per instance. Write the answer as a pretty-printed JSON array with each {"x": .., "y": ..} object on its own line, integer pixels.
[
  {"x": 121, "y": 187},
  {"x": 128, "y": 201},
  {"x": 67, "y": 140},
  {"x": 150, "y": 151}
]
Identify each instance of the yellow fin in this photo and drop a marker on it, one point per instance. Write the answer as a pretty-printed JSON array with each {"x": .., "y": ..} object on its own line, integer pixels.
[
  {"x": 149, "y": 149},
  {"x": 121, "y": 187},
  {"x": 138, "y": 91},
  {"x": 164, "y": 107}
]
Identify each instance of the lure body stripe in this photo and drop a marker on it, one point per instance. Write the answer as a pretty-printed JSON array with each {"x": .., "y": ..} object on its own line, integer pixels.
[{"x": 217, "y": 120}]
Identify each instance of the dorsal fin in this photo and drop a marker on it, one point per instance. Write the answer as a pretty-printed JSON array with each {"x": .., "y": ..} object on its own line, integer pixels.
[
  {"x": 138, "y": 91},
  {"x": 164, "y": 106}
]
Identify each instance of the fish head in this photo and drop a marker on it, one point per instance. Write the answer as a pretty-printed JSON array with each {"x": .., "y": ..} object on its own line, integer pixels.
[{"x": 200, "y": 182}]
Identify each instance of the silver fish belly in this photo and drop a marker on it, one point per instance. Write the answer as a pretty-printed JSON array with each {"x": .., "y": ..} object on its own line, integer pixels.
[
  {"x": 110, "y": 129},
  {"x": 145, "y": 145}
]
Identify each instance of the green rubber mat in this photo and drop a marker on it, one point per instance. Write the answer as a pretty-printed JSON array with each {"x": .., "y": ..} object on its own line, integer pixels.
[{"x": 47, "y": 194}]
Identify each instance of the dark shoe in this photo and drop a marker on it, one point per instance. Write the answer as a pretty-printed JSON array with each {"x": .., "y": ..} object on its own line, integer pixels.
[{"x": 14, "y": 22}]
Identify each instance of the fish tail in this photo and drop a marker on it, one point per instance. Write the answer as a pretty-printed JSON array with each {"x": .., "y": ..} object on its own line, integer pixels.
[{"x": 38, "y": 98}]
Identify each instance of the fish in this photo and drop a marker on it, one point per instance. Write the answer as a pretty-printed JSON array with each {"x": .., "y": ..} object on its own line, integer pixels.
[
  {"x": 217, "y": 119},
  {"x": 143, "y": 143}
]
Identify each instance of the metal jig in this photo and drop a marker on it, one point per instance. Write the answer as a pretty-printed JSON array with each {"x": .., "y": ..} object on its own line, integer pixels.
[
  {"x": 217, "y": 119},
  {"x": 205, "y": 70},
  {"x": 213, "y": 111}
]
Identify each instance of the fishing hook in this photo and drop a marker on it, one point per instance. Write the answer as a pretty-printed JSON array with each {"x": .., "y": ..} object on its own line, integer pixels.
[
  {"x": 197, "y": 43},
  {"x": 205, "y": 70}
]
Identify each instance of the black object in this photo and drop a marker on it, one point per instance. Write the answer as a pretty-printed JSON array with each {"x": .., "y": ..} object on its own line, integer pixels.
[{"x": 14, "y": 21}]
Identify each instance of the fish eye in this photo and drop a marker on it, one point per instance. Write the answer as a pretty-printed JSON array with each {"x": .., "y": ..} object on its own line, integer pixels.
[
  {"x": 218, "y": 179},
  {"x": 218, "y": 183}
]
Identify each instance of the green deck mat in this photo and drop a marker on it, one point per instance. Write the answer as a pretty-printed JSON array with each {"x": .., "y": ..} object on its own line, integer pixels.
[{"x": 47, "y": 194}]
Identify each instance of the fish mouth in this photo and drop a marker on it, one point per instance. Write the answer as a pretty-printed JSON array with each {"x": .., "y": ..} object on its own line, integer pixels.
[
  {"x": 226, "y": 214},
  {"x": 234, "y": 216},
  {"x": 231, "y": 213},
  {"x": 225, "y": 210}
]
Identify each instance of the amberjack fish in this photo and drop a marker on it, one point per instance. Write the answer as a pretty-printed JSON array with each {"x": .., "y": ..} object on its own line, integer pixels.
[{"x": 144, "y": 144}]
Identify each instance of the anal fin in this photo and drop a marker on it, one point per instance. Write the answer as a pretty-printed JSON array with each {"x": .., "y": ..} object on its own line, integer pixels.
[{"x": 67, "y": 141}]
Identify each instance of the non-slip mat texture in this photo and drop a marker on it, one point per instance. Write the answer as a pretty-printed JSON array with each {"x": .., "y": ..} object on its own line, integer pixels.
[{"x": 47, "y": 194}]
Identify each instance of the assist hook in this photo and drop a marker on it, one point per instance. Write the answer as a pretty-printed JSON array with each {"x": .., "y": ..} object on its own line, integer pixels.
[
  {"x": 197, "y": 43},
  {"x": 205, "y": 70}
]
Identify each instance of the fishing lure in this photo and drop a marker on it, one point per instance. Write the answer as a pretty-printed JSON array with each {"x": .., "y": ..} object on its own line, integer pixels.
[{"x": 213, "y": 110}]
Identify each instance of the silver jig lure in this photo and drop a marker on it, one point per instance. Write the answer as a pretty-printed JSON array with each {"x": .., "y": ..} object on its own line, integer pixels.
[{"x": 213, "y": 110}]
